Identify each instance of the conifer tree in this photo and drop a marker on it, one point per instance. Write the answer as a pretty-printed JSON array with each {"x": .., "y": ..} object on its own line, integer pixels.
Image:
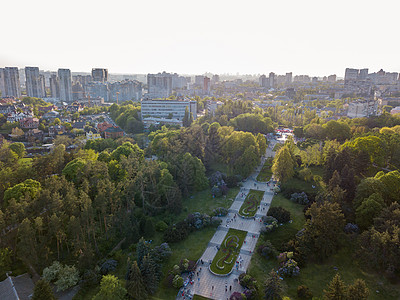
[
  {"x": 42, "y": 291},
  {"x": 336, "y": 290},
  {"x": 135, "y": 284}
]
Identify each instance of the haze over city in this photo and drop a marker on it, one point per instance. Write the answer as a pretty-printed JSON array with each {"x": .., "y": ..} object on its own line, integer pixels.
[{"x": 303, "y": 37}]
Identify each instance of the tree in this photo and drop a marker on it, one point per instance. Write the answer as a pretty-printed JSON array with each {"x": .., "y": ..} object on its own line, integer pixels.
[
  {"x": 135, "y": 285},
  {"x": 43, "y": 291},
  {"x": 110, "y": 289},
  {"x": 185, "y": 120},
  {"x": 283, "y": 165},
  {"x": 151, "y": 272},
  {"x": 273, "y": 288},
  {"x": 358, "y": 290},
  {"x": 67, "y": 277},
  {"x": 18, "y": 148},
  {"x": 370, "y": 208},
  {"x": 323, "y": 229},
  {"x": 29, "y": 188},
  {"x": 336, "y": 290}
]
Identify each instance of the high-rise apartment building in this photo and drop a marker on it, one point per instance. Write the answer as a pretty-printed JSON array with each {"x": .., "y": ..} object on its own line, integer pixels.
[
  {"x": 9, "y": 82},
  {"x": 64, "y": 76},
  {"x": 54, "y": 86},
  {"x": 35, "y": 86},
  {"x": 98, "y": 89},
  {"x": 126, "y": 89},
  {"x": 332, "y": 78},
  {"x": 272, "y": 80},
  {"x": 159, "y": 85},
  {"x": 288, "y": 78},
  {"x": 263, "y": 81},
  {"x": 100, "y": 75}
]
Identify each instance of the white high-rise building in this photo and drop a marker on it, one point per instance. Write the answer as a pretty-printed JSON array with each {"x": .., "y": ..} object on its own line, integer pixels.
[
  {"x": 35, "y": 86},
  {"x": 65, "y": 80}
]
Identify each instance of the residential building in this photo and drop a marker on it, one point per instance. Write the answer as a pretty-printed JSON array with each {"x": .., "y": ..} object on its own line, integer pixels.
[
  {"x": 35, "y": 85},
  {"x": 29, "y": 123},
  {"x": 332, "y": 78},
  {"x": 215, "y": 79},
  {"x": 125, "y": 90},
  {"x": 288, "y": 78},
  {"x": 212, "y": 106},
  {"x": 78, "y": 92},
  {"x": 98, "y": 89},
  {"x": 18, "y": 116},
  {"x": 93, "y": 135},
  {"x": 199, "y": 80},
  {"x": 172, "y": 109},
  {"x": 159, "y": 85},
  {"x": 360, "y": 109},
  {"x": 34, "y": 134},
  {"x": 9, "y": 82},
  {"x": 74, "y": 107},
  {"x": 100, "y": 75},
  {"x": 113, "y": 132},
  {"x": 103, "y": 126},
  {"x": 54, "y": 86},
  {"x": 56, "y": 130},
  {"x": 272, "y": 80},
  {"x": 51, "y": 115},
  {"x": 263, "y": 81},
  {"x": 64, "y": 76},
  {"x": 206, "y": 85}
]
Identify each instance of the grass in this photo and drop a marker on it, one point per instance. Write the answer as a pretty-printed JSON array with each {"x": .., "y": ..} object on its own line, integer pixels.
[
  {"x": 225, "y": 258},
  {"x": 205, "y": 203},
  {"x": 251, "y": 203},
  {"x": 265, "y": 173}
]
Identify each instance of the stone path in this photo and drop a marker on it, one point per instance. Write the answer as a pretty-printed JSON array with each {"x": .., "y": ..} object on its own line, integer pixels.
[{"x": 221, "y": 287}]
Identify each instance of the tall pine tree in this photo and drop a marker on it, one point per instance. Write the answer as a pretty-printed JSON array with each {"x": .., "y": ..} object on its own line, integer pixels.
[{"x": 135, "y": 284}]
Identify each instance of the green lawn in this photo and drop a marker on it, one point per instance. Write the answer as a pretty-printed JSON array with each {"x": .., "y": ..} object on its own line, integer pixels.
[
  {"x": 265, "y": 173},
  {"x": 251, "y": 203},
  {"x": 205, "y": 203},
  {"x": 225, "y": 258}
]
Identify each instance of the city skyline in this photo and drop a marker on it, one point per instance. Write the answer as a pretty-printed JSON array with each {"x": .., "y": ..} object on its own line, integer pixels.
[{"x": 224, "y": 37}]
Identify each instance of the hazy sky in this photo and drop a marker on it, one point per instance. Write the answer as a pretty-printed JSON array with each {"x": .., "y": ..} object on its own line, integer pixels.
[{"x": 316, "y": 37}]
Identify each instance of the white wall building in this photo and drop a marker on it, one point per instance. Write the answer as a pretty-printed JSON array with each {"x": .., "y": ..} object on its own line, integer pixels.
[{"x": 167, "y": 109}]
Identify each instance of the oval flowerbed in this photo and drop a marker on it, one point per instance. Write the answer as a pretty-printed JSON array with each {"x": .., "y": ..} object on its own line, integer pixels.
[
  {"x": 251, "y": 203},
  {"x": 226, "y": 256}
]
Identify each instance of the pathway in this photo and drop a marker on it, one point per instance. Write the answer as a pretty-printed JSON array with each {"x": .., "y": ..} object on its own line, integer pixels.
[{"x": 221, "y": 287}]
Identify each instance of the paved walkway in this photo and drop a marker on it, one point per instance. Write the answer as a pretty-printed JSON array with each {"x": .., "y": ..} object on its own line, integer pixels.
[{"x": 221, "y": 287}]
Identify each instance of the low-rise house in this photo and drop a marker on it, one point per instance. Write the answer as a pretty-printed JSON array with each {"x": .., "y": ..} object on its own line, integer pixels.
[
  {"x": 7, "y": 108},
  {"x": 29, "y": 123},
  {"x": 18, "y": 116},
  {"x": 51, "y": 115},
  {"x": 93, "y": 135},
  {"x": 113, "y": 132},
  {"x": 56, "y": 130},
  {"x": 79, "y": 125},
  {"x": 35, "y": 134},
  {"x": 75, "y": 107},
  {"x": 103, "y": 126},
  {"x": 48, "y": 108}
]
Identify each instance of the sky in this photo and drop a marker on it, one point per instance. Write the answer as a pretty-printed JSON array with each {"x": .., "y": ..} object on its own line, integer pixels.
[{"x": 314, "y": 37}]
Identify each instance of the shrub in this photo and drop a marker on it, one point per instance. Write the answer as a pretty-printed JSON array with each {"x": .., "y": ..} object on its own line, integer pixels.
[
  {"x": 216, "y": 191},
  {"x": 176, "y": 233},
  {"x": 161, "y": 226},
  {"x": 268, "y": 220},
  {"x": 108, "y": 266},
  {"x": 289, "y": 268},
  {"x": 220, "y": 212},
  {"x": 300, "y": 198},
  {"x": 303, "y": 292},
  {"x": 279, "y": 213},
  {"x": 51, "y": 273},
  {"x": 267, "y": 250},
  {"x": 351, "y": 228},
  {"x": 232, "y": 181},
  {"x": 177, "y": 282},
  {"x": 237, "y": 296},
  {"x": 161, "y": 253}
]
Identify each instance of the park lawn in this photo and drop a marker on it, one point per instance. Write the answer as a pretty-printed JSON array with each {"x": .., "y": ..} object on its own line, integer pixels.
[
  {"x": 204, "y": 202},
  {"x": 251, "y": 203},
  {"x": 191, "y": 248},
  {"x": 287, "y": 231},
  {"x": 265, "y": 173},
  {"x": 222, "y": 252}
]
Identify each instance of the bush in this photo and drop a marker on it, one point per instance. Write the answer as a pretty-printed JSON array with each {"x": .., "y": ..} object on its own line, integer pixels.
[
  {"x": 51, "y": 273},
  {"x": 268, "y": 220},
  {"x": 108, "y": 266},
  {"x": 303, "y": 292},
  {"x": 176, "y": 233},
  {"x": 237, "y": 296},
  {"x": 267, "y": 250},
  {"x": 279, "y": 213},
  {"x": 351, "y": 228},
  {"x": 232, "y": 181},
  {"x": 161, "y": 226},
  {"x": 300, "y": 198},
  {"x": 216, "y": 191},
  {"x": 220, "y": 212},
  {"x": 289, "y": 268},
  {"x": 67, "y": 277},
  {"x": 177, "y": 282}
]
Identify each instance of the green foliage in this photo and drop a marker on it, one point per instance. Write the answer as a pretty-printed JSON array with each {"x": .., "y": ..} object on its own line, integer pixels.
[
  {"x": 177, "y": 282},
  {"x": 135, "y": 285},
  {"x": 336, "y": 289},
  {"x": 18, "y": 148},
  {"x": 254, "y": 123},
  {"x": 283, "y": 167},
  {"x": 303, "y": 292},
  {"x": 73, "y": 170},
  {"x": 64, "y": 277},
  {"x": 127, "y": 149},
  {"x": 43, "y": 291},
  {"x": 370, "y": 208},
  {"x": 279, "y": 213},
  {"x": 29, "y": 188},
  {"x": 110, "y": 289},
  {"x": 273, "y": 287}
]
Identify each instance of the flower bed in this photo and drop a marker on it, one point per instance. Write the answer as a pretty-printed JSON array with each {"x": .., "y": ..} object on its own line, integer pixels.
[
  {"x": 251, "y": 203},
  {"x": 225, "y": 259}
]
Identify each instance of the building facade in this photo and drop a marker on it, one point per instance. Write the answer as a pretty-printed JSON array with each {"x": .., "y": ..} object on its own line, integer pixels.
[
  {"x": 65, "y": 81},
  {"x": 159, "y": 85},
  {"x": 35, "y": 85},
  {"x": 171, "y": 109},
  {"x": 9, "y": 82},
  {"x": 100, "y": 75}
]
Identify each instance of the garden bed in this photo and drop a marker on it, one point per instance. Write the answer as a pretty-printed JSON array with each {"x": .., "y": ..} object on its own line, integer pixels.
[
  {"x": 225, "y": 259},
  {"x": 251, "y": 203},
  {"x": 265, "y": 173}
]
